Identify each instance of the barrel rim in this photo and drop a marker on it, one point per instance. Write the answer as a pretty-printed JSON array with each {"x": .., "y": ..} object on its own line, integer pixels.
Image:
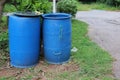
[
  {"x": 27, "y": 14},
  {"x": 56, "y": 16}
]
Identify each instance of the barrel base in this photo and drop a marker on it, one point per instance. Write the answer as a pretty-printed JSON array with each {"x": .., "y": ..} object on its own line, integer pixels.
[
  {"x": 18, "y": 66},
  {"x": 58, "y": 62}
]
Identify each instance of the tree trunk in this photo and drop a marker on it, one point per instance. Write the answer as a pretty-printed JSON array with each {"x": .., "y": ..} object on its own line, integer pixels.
[{"x": 2, "y": 3}]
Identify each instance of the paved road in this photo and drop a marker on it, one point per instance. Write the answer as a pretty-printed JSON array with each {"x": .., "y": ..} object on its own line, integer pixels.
[{"x": 104, "y": 29}]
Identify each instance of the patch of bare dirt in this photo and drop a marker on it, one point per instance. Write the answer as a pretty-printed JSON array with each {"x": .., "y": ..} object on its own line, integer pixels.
[
  {"x": 8, "y": 72},
  {"x": 41, "y": 71}
]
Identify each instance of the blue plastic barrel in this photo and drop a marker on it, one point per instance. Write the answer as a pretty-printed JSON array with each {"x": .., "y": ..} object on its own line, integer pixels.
[
  {"x": 24, "y": 41},
  {"x": 57, "y": 37}
]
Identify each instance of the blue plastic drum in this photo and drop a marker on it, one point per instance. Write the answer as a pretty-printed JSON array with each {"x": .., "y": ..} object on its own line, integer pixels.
[
  {"x": 57, "y": 37},
  {"x": 24, "y": 40}
]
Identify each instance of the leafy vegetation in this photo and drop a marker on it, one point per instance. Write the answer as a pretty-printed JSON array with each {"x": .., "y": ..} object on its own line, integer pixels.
[
  {"x": 111, "y": 2},
  {"x": 3, "y": 47},
  {"x": 115, "y": 3},
  {"x": 95, "y": 5},
  {"x": 9, "y": 8},
  {"x": 4, "y": 41},
  {"x": 67, "y": 6},
  {"x": 42, "y": 6},
  {"x": 3, "y": 33}
]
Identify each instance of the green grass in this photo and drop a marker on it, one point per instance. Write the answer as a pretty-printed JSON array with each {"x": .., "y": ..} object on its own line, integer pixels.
[
  {"x": 94, "y": 62},
  {"x": 100, "y": 6}
]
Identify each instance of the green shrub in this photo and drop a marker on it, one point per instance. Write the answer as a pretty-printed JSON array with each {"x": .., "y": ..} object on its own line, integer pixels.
[
  {"x": 115, "y": 3},
  {"x": 42, "y": 6},
  {"x": 110, "y": 2},
  {"x": 67, "y": 6},
  {"x": 4, "y": 56},
  {"x": 3, "y": 23},
  {"x": 9, "y": 8},
  {"x": 87, "y": 1},
  {"x": 4, "y": 41},
  {"x": 102, "y": 1}
]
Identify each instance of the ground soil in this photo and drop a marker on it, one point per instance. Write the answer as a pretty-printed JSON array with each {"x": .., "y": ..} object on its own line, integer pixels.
[
  {"x": 104, "y": 29},
  {"x": 42, "y": 71}
]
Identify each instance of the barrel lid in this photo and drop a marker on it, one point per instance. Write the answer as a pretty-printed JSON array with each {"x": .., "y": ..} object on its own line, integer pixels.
[
  {"x": 26, "y": 14},
  {"x": 56, "y": 16}
]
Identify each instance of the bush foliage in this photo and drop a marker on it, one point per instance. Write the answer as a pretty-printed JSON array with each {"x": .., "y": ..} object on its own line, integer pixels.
[
  {"x": 67, "y": 6},
  {"x": 43, "y": 6},
  {"x": 115, "y": 3},
  {"x": 4, "y": 41},
  {"x": 111, "y": 2}
]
